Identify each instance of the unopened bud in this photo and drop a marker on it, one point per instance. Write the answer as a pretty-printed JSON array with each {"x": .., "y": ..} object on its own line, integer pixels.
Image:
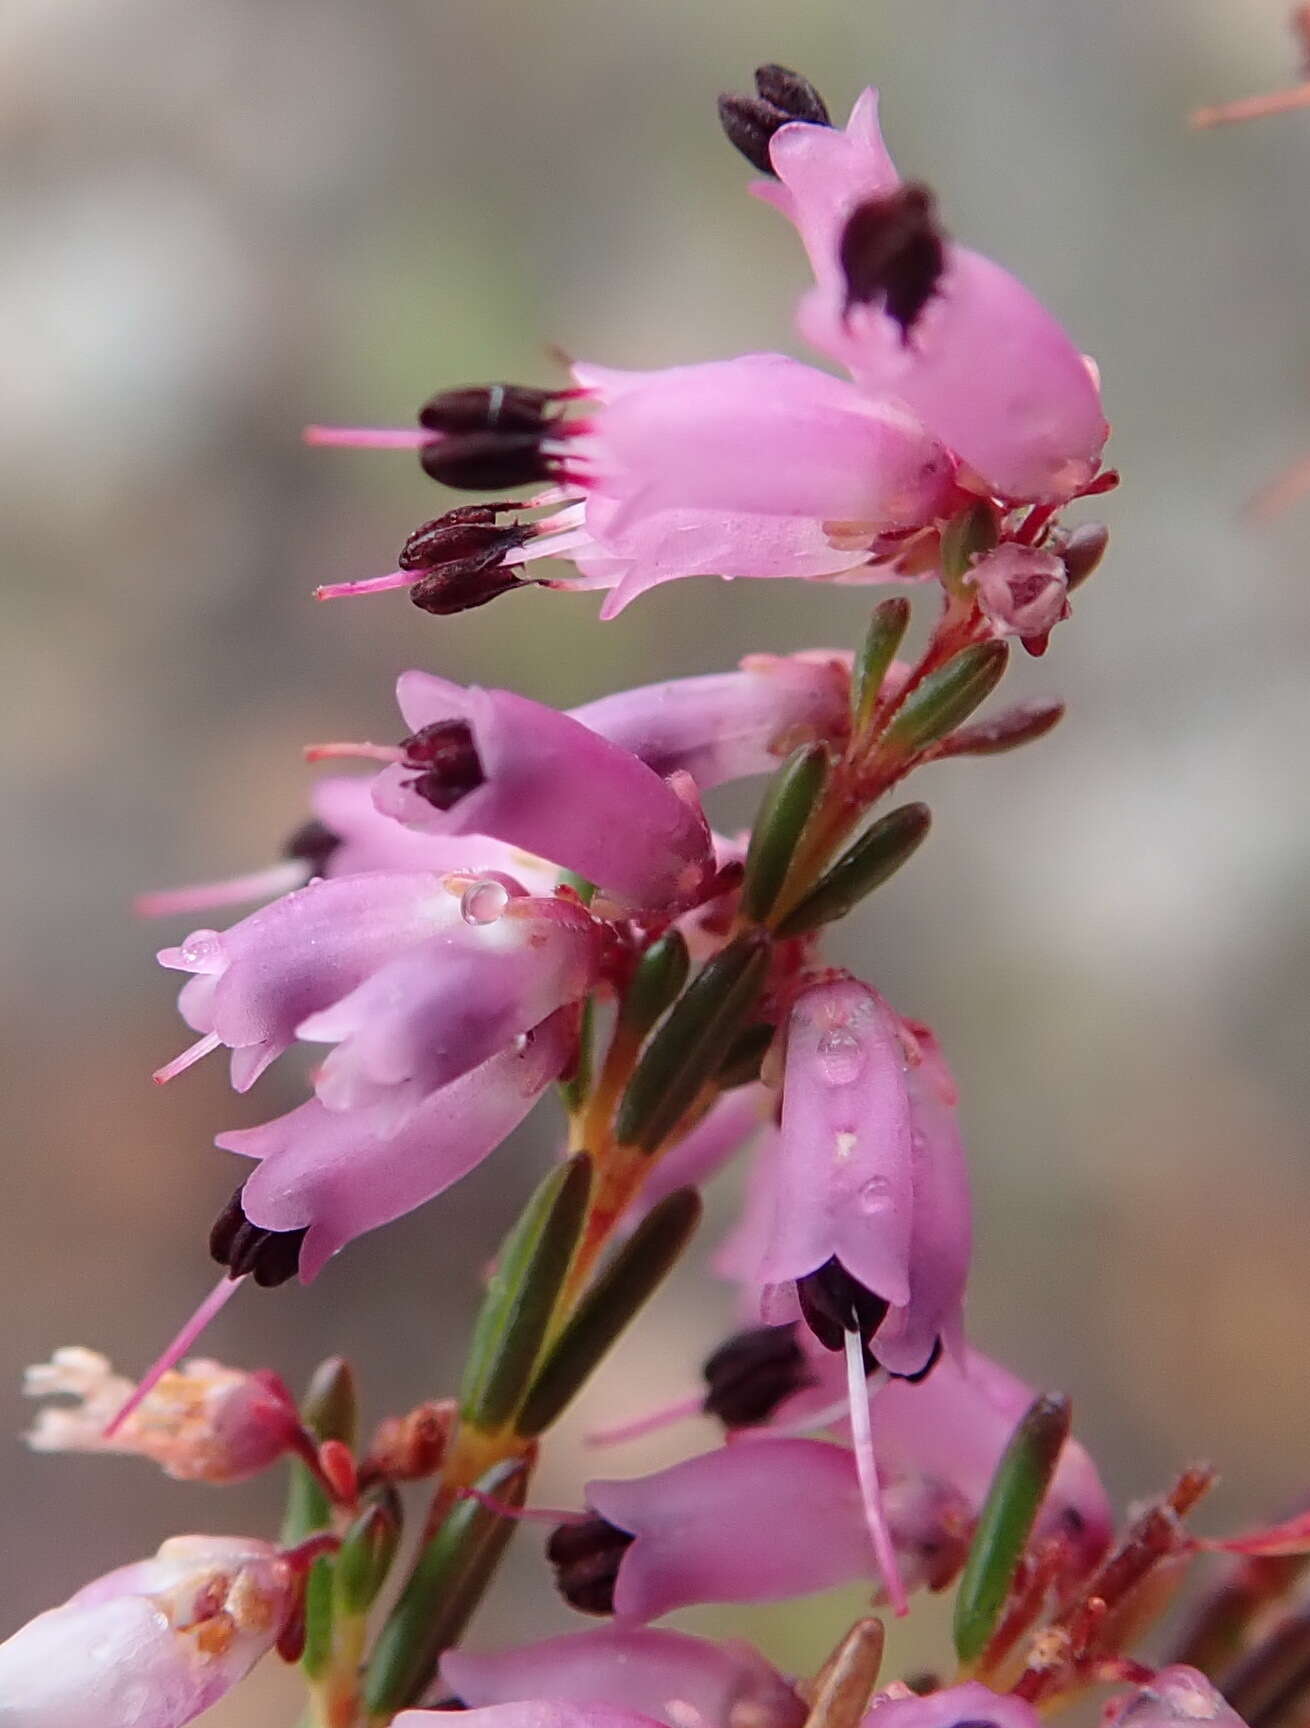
[
  {"x": 411, "y": 1447},
  {"x": 1083, "y": 551}
]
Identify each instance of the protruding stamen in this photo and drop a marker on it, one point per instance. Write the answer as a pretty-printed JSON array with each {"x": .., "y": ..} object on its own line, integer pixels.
[
  {"x": 191, "y": 1055},
  {"x": 217, "y": 1299},
  {"x": 368, "y": 437},
  {"x": 858, "y": 1392},
  {"x": 201, "y": 896}
]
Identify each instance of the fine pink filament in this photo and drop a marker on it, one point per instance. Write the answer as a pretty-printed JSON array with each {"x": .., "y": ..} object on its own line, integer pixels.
[
  {"x": 353, "y": 752},
  {"x": 866, "y": 1468},
  {"x": 367, "y": 585},
  {"x": 369, "y": 437},
  {"x": 523, "y": 1514},
  {"x": 200, "y": 896},
  {"x": 191, "y": 1055},
  {"x": 663, "y": 1417},
  {"x": 217, "y": 1299}
]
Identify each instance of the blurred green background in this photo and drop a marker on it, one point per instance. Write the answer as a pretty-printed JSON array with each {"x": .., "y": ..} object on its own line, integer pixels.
[{"x": 225, "y": 219}]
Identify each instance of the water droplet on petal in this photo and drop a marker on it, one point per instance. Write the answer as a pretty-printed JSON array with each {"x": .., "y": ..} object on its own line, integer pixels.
[
  {"x": 841, "y": 1057},
  {"x": 483, "y": 902},
  {"x": 202, "y": 949},
  {"x": 875, "y": 1195}
]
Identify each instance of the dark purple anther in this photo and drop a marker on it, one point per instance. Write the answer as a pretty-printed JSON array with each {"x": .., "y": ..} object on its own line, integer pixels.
[
  {"x": 893, "y": 251},
  {"x": 270, "y": 1257},
  {"x": 586, "y": 1557},
  {"x": 448, "y": 759},
  {"x": 754, "y": 1372}
]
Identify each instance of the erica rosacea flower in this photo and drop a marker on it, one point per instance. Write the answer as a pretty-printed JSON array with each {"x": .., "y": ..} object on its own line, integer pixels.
[
  {"x": 757, "y": 1522},
  {"x": 960, "y": 385},
  {"x": 682, "y": 1681},
  {"x": 865, "y": 1223},
  {"x": 492, "y": 762},
  {"x": 415, "y": 977},
  {"x": 152, "y": 1644}
]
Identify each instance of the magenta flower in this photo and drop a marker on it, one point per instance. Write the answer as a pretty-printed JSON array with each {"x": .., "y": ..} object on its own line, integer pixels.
[
  {"x": 758, "y": 1522},
  {"x": 679, "y": 1680},
  {"x": 1176, "y": 1696},
  {"x": 415, "y": 977},
  {"x": 935, "y": 326},
  {"x": 324, "y": 1178},
  {"x": 869, "y": 1206},
  {"x": 490, "y": 762},
  {"x": 152, "y": 1644},
  {"x": 202, "y": 1422},
  {"x": 972, "y": 1703}
]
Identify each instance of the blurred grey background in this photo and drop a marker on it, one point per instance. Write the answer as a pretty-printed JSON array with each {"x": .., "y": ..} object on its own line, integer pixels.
[{"x": 225, "y": 219}]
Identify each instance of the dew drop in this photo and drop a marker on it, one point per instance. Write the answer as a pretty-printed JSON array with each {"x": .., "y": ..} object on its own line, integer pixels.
[
  {"x": 483, "y": 902},
  {"x": 841, "y": 1057},
  {"x": 201, "y": 949},
  {"x": 875, "y": 1195}
]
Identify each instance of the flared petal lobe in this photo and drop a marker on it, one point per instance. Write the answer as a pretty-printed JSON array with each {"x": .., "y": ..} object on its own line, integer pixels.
[
  {"x": 555, "y": 788},
  {"x": 318, "y": 1172},
  {"x": 985, "y": 368},
  {"x": 254, "y": 983},
  {"x": 152, "y": 1644},
  {"x": 452, "y": 1002}
]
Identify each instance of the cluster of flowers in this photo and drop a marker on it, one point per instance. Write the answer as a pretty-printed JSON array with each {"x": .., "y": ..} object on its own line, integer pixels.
[{"x": 520, "y": 899}]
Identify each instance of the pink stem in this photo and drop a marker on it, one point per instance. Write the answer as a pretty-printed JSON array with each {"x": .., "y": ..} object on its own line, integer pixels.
[{"x": 217, "y": 1299}]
